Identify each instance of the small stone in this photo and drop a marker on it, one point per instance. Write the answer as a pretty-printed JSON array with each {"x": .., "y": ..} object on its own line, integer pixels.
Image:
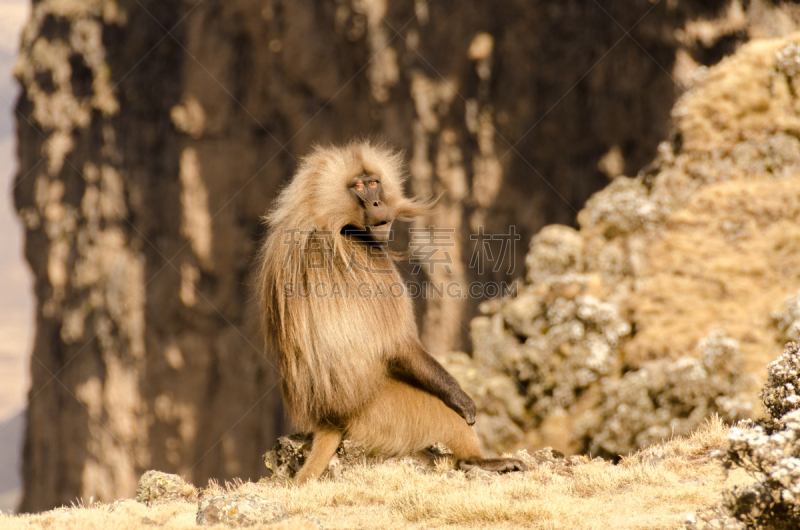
[
  {"x": 157, "y": 486},
  {"x": 288, "y": 456},
  {"x": 239, "y": 510}
]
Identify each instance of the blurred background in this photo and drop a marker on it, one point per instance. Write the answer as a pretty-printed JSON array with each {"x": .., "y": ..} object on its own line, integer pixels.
[
  {"x": 143, "y": 139},
  {"x": 16, "y": 302}
]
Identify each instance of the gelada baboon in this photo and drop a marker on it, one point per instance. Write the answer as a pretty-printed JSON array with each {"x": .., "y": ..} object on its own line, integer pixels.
[{"x": 338, "y": 321}]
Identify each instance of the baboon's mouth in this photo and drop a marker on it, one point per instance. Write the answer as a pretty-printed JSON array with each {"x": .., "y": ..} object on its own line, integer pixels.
[
  {"x": 370, "y": 234},
  {"x": 356, "y": 231}
]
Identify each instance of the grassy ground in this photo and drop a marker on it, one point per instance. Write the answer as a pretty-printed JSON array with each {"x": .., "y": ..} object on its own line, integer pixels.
[{"x": 654, "y": 488}]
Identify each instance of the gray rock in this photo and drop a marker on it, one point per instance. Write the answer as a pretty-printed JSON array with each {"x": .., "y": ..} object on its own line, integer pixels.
[
  {"x": 155, "y": 486},
  {"x": 781, "y": 394},
  {"x": 239, "y": 510},
  {"x": 288, "y": 456},
  {"x": 668, "y": 398},
  {"x": 556, "y": 249},
  {"x": 787, "y": 320}
]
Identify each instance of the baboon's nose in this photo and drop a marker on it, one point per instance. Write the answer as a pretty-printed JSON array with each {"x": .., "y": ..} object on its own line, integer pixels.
[{"x": 377, "y": 214}]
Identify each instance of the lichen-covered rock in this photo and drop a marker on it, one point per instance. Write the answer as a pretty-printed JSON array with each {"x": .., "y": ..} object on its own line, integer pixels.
[
  {"x": 556, "y": 249},
  {"x": 537, "y": 354},
  {"x": 239, "y": 510},
  {"x": 622, "y": 207},
  {"x": 289, "y": 454},
  {"x": 607, "y": 343},
  {"x": 713, "y": 519},
  {"x": 787, "y": 320},
  {"x": 781, "y": 394},
  {"x": 155, "y": 486},
  {"x": 554, "y": 340},
  {"x": 668, "y": 398},
  {"x": 773, "y": 460},
  {"x": 769, "y": 451}
]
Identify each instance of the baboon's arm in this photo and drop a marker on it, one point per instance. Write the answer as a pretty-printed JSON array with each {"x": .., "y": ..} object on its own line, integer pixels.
[{"x": 423, "y": 371}]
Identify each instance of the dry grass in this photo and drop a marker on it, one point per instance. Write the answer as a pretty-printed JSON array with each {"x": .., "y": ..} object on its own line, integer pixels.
[{"x": 654, "y": 488}]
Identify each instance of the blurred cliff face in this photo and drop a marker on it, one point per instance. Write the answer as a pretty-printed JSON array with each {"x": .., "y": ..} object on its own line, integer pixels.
[{"x": 153, "y": 135}]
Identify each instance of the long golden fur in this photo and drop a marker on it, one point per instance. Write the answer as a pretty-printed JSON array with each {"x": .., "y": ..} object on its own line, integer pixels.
[{"x": 339, "y": 324}]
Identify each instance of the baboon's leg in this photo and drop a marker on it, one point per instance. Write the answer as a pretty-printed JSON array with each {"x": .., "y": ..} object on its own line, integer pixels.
[
  {"x": 403, "y": 419},
  {"x": 467, "y": 452},
  {"x": 462, "y": 440},
  {"x": 322, "y": 448},
  {"x": 501, "y": 465},
  {"x": 417, "y": 368}
]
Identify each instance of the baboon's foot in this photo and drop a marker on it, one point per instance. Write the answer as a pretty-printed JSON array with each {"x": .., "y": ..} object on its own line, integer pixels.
[
  {"x": 499, "y": 465},
  {"x": 303, "y": 476}
]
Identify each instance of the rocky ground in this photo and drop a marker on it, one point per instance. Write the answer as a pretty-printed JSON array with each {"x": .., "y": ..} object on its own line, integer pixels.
[
  {"x": 717, "y": 478},
  {"x": 654, "y": 488}
]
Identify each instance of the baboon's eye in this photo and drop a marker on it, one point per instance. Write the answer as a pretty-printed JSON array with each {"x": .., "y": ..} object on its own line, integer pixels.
[
  {"x": 373, "y": 184},
  {"x": 359, "y": 185}
]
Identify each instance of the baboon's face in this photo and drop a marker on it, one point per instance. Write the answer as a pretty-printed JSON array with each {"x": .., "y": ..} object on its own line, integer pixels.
[{"x": 370, "y": 209}]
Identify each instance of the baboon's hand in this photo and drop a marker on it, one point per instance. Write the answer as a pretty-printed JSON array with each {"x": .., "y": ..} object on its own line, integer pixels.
[
  {"x": 465, "y": 407},
  {"x": 419, "y": 368}
]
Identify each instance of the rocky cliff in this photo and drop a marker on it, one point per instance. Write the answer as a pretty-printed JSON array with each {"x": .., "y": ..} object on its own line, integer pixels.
[
  {"x": 153, "y": 134},
  {"x": 678, "y": 288}
]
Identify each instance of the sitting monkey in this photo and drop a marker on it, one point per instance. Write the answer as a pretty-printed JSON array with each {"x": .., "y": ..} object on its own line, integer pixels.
[{"x": 339, "y": 324}]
